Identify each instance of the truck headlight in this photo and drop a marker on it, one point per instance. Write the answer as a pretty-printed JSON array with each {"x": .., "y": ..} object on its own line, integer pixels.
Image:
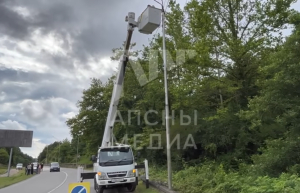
[
  {"x": 132, "y": 173},
  {"x": 101, "y": 176}
]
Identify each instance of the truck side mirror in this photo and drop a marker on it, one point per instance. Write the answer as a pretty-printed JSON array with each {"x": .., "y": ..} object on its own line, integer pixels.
[{"x": 138, "y": 154}]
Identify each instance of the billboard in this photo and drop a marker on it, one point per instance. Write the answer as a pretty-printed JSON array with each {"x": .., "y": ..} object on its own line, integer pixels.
[{"x": 15, "y": 138}]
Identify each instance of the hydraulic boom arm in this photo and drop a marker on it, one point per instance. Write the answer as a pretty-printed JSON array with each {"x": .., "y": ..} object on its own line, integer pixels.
[{"x": 118, "y": 86}]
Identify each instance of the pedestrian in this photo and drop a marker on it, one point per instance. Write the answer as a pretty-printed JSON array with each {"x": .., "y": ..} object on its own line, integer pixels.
[
  {"x": 37, "y": 168},
  {"x": 42, "y": 166},
  {"x": 28, "y": 168},
  {"x": 31, "y": 168},
  {"x": 25, "y": 169}
]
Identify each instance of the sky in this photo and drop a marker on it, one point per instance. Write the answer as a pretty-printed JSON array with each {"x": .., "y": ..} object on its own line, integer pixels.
[{"x": 49, "y": 51}]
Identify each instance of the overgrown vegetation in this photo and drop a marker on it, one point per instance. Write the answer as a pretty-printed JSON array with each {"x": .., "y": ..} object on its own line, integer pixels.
[{"x": 244, "y": 84}]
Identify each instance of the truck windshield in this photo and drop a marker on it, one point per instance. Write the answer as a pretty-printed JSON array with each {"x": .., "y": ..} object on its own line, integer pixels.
[{"x": 116, "y": 156}]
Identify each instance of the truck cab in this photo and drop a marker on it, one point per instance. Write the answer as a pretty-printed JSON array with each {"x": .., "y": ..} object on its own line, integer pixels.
[{"x": 114, "y": 166}]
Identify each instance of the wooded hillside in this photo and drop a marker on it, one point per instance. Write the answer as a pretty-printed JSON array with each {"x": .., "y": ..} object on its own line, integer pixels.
[
  {"x": 243, "y": 82},
  {"x": 17, "y": 157}
]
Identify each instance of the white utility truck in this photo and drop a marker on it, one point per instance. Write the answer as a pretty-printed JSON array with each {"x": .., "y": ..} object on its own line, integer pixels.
[{"x": 115, "y": 164}]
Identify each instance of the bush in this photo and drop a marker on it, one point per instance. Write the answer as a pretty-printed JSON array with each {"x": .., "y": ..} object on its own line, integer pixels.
[
  {"x": 212, "y": 178},
  {"x": 4, "y": 157}
]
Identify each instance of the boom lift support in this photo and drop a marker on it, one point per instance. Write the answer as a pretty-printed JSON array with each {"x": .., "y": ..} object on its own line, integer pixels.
[
  {"x": 112, "y": 113},
  {"x": 114, "y": 164}
]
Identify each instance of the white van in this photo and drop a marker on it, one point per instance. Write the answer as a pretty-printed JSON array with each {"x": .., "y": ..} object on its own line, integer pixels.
[{"x": 19, "y": 166}]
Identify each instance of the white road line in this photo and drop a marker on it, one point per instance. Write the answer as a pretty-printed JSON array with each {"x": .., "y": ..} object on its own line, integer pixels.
[
  {"x": 60, "y": 184},
  {"x": 83, "y": 188}
]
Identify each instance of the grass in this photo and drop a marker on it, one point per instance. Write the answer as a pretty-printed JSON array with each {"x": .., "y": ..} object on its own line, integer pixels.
[
  {"x": 7, "y": 181},
  {"x": 3, "y": 170},
  {"x": 141, "y": 188}
]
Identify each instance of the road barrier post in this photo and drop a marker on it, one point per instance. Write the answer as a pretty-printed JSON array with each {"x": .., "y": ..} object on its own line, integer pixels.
[{"x": 147, "y": 173}]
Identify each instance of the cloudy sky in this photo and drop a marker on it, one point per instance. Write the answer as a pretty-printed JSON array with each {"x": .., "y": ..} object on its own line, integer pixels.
[{"x": 49, "y": 50}]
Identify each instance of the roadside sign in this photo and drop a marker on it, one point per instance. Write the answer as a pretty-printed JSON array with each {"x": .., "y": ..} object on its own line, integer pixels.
[{"x": 83, "y": 187}]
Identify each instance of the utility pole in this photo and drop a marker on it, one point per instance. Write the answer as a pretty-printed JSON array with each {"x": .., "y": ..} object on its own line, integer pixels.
[
  {"x": 58, "y": 151},
  {"x": 169, "y": 163},
  {"x": 9, "y": 164}
]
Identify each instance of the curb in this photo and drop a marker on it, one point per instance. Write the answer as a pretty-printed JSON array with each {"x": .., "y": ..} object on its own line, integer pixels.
[{"x": 157, "y": 186}]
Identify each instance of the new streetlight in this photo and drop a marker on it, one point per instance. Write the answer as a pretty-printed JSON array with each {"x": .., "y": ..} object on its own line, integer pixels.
[{"x": 167, "y": 116}]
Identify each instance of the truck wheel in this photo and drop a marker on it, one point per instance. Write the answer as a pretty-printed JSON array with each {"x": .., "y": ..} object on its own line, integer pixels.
[
  {"x": 131, "y": 187},
  {"x": 100, "y": 189},
  {"x": 95, "y": 184}
]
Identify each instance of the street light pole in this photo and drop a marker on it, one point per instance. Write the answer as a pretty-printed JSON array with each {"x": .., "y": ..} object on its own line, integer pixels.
[
  {"x": 167, "y": 116},
  {"x": 166, "y": 103}
]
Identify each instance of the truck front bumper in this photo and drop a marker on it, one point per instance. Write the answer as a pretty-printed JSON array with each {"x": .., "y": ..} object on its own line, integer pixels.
[{"x": 116, "y": 181}]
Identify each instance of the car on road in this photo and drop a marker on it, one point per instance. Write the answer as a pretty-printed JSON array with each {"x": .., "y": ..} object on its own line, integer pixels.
[
  {"x": 35, "y": 167},
  {"x": 54, "y": 167},
  {"x": 19, "y": 166}
]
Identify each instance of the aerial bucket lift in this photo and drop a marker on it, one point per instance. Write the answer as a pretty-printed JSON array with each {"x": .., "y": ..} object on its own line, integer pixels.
[{"x": 115, "y": 163}]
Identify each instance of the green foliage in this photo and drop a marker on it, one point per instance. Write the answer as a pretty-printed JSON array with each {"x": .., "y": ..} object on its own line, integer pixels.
[
  {"x": 3, "y": 156},
  {"x": 17, "y": 157},
  {"x": 212, "y": 178},
  {"x": 63, "y": 151}
]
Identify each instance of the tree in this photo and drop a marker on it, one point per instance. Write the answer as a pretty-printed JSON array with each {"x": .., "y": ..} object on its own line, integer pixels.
[
  {"x": 274, "y": 114},
  {"x": 4, "y": 157}
]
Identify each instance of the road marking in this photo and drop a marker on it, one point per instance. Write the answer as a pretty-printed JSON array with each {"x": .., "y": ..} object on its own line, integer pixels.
[
  {"x": 60, "y": 184},
  {"x": 83, "y": 188}
]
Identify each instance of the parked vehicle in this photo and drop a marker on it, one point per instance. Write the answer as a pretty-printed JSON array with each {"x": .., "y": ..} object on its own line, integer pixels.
[
  {"x": 19, "y": 166},
  {"x": 35, "y": 167},
  {"x": 54, "y": 167}
]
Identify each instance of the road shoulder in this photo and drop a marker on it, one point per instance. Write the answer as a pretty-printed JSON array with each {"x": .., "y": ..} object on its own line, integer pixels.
[{"x": 14, "y": 178}]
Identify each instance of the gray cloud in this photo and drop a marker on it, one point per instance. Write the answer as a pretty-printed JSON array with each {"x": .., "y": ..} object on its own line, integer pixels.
[
  {"x": 19, "y": 85},
  {"x": 88, "y": 30},
  {"x": 12, "y": 24},
  {"x": 7, "y": 74},
  {"x": 96, "y": 27}
]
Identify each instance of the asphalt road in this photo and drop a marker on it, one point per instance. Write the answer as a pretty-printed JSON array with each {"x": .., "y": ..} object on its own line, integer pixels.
[{"x": 54, "y": 182}]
